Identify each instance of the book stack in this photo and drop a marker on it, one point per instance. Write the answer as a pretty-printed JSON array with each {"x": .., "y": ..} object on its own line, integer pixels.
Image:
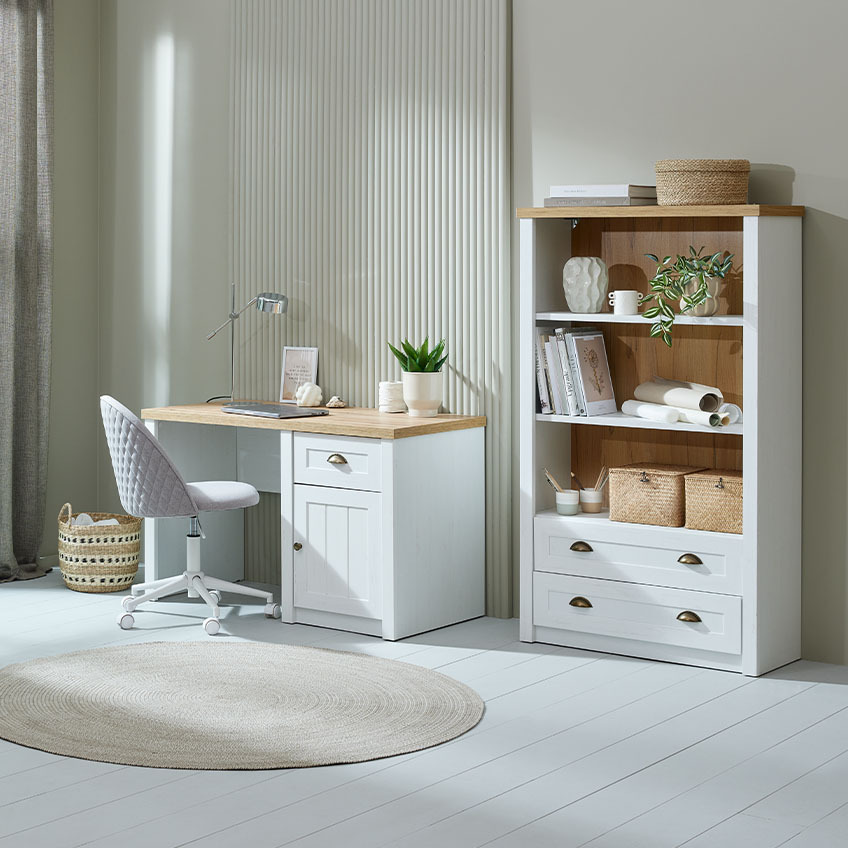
[
  {"x": 616, "y": 194},
  {"x": 573, "y": 373}
]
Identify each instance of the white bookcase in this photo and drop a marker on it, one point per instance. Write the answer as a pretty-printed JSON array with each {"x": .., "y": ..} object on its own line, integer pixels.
[{"x": 745, "y": 589}]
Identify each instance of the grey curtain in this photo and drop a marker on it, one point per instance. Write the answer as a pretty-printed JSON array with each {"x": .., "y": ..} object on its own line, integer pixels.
[{"x": 26, "y": 177}]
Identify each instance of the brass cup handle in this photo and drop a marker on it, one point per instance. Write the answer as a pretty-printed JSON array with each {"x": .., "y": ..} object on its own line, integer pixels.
[
  {"x": 580, "y": 601},
  {"x": 297, "y": 546},
  {"x": 688, "y": 615},
  {"x": 690, "y": 559},
  {"x": 336, "y": 459},
  {"x": 581, "y": 547}
]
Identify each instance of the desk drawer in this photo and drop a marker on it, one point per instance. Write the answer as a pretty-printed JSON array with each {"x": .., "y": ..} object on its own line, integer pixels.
[
  {"x": 645, "y": 613},
  {"x": 342, "y": 462},
  {"x": 678, "y": 558}
]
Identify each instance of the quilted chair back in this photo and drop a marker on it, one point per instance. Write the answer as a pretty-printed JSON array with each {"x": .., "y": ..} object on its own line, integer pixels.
[{"x": 148, "y": 483}]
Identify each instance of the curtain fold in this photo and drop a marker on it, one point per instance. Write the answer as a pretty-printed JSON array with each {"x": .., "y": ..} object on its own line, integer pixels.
[{"x": 26, "y": 176}]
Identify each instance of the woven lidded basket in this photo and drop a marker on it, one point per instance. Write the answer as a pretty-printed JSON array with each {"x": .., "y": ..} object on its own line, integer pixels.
[
  {"x": 646, "y": 493},
  {"x": 98, "y": 559},
  {"x": 702, "y": 182},
  {"x": 714, "y": 501}
]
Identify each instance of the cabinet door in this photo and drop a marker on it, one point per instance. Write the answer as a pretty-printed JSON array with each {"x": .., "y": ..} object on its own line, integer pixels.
[{"x": 339, "y": 566}]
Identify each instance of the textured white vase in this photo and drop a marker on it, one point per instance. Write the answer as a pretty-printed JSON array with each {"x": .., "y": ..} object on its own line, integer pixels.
[
  {"x": 422, "y": 392},
  {"x": 585, "y": 282},
  {"x": 710, "y": 305}
]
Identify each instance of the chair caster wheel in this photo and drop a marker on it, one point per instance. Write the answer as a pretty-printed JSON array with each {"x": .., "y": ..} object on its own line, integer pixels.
[
  {"x": 211, "y": 626},
  {"x": 126, "y": 620},
  {"x": 124, "y": 603},
  {"x": 216, "y": 595},
  {"x": 273, "y": 611}
]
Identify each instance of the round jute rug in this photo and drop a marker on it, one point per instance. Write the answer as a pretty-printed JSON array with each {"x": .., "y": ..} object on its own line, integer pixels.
[{"x": 199, "y": 705}]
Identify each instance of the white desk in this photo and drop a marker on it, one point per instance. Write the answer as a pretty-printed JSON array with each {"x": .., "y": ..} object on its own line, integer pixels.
[{"x": 382, "y": 516}]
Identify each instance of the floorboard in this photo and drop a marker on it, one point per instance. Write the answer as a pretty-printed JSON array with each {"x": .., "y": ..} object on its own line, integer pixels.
[{"x": 576, "y": 749}]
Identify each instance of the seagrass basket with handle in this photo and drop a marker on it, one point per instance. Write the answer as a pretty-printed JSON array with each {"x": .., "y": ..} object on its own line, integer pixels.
[
  {"x": 714, "y": 501},
  {"x": 702, "y": 182},
  {"x": 649, "y": 493},
  {"x": 101, "y": 558}
]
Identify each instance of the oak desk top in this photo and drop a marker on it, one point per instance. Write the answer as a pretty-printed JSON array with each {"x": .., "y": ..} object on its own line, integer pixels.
[{"x": 350, "y": 421}]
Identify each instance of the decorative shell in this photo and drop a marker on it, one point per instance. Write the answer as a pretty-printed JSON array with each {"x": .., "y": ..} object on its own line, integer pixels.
[
  {"x": 335, "y": 402},
  {"x": 308, "y": 394}
]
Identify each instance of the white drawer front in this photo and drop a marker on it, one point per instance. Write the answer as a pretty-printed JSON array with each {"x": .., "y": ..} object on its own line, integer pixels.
[
  {"x": 630, "y": 611},
  {"x": 342, "y": 462},
  {"x": 680, "y": 559}
]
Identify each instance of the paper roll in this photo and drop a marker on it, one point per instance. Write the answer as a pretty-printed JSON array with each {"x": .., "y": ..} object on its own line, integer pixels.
[
  {"x": 680, "y": 394},
  {"x": 708, "y": 419},
  {"x": 733, "y": 412},
  {"x": 651, "y": 411}
]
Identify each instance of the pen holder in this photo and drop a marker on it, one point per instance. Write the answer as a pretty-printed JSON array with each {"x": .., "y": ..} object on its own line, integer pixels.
[
  {"x": 591, "y": 500},
  {"x": 568, "y": 502}
]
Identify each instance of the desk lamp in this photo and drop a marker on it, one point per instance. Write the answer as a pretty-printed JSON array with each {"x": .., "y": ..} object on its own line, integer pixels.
[{"x": 270, "y": 302}]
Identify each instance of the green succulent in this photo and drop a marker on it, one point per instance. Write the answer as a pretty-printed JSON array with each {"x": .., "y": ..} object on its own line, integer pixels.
[
  {"x": 669, "y": 283},
  {"x": 420, "y": 358}
]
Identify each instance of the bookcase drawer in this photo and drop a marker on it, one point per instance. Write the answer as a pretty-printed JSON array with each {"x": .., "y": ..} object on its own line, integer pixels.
[
  {"x": 661, "y": 556},
  {"x": 701, "y": 620},
  {"x": 342, "y": 462}
]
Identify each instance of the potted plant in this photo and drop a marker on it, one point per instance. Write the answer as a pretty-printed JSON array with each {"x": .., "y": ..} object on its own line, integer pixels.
[
  {"x": 692, "y": 281},
  {"x": 422, "y": 376}
]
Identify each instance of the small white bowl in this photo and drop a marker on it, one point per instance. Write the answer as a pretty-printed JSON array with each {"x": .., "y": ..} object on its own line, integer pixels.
[
  {"x": 568, "y": 502},
  {"x": 590, "y": 500}
]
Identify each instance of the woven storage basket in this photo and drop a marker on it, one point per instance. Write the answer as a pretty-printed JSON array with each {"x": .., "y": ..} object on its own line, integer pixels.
[
  {"x": 702, "y": 182},
  {"x": 98, "y": 559},
  {"x": 646, "y": 493},
  {"x": 714, "y": 501}
]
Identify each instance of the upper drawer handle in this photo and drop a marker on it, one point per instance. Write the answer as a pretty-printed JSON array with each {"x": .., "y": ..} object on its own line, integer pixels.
[
  {"x": 688, "y": 615},
  {"x": 581, "y": 548},
  {"x": 580, "y": 601},
  {"x": 336, "y": 459},
  {"x": 690, "y": 559}
]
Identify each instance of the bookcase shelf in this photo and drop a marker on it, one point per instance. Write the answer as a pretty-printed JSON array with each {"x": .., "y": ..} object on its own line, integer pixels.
[
  {"x": 619, "y": 419},
  {"x": 637, "y": 579}
]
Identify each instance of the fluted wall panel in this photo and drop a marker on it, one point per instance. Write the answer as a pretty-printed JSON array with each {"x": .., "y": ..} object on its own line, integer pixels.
[{"x": 370, "y": 184}]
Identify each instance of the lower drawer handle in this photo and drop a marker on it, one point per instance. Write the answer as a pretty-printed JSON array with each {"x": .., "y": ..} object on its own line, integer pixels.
[
  {"x": 688, "y": 615},
  {"x": 336, "y": 459},
  {"x": 690, "y": 559},
  {"x": 583, "y": 603},
  {"x": 582, "y": 548}
]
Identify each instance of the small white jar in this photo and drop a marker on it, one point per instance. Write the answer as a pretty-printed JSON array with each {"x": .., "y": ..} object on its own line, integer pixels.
[
  {"x": 591, "y": 500},
  {"x": 568, "y": 502}
]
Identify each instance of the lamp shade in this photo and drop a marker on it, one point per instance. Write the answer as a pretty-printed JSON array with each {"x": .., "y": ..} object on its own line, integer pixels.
[{"x": 272, "y": 302}]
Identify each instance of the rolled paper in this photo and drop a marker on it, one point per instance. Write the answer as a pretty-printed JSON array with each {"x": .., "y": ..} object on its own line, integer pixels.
[
  {"x": 733, "y": 412},
  {"x": 680, "y": 394},
  {"x": 651, "y": 411},
  {"x": 708, "y": 419}
]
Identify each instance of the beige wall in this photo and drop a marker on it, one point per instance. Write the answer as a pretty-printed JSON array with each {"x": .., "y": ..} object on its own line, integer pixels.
[
  {"x": 74, "y": 419},
  {"x": 601, "y": 90}
]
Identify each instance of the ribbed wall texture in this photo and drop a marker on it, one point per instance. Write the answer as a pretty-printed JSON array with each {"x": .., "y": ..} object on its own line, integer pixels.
[{"x": 370, "y": 183}]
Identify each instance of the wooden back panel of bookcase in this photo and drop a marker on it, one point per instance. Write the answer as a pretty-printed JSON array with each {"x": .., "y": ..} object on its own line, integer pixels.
[{"x": 704, "y": 354}]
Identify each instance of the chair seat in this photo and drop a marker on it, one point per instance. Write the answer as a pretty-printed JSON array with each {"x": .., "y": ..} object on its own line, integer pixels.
[{"x": 222, "y": 494}]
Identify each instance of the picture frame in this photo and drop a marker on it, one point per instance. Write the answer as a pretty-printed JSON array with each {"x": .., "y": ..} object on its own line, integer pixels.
[{"x": 300, "y": 365}]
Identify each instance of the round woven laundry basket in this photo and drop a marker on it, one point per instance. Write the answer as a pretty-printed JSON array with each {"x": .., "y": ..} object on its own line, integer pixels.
[
  {"x": 98, "y": 559},
  {"x": 702, "y": 182}
]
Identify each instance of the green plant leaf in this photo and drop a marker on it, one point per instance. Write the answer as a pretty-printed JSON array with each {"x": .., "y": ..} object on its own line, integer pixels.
[
  {"x": 653, "y": 257},
  {"x": 400, "y": 357},
  {"x": 653, "y": 312}
]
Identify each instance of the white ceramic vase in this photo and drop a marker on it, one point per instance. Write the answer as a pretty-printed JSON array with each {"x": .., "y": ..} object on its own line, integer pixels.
[
  {"x": 422, "y": 392},
  {"x": 710, "y": 305},
  {"x": 585, "y": 281}
]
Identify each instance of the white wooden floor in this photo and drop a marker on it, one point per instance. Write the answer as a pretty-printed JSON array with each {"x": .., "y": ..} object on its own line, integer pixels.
[{"x": 575, "y": 749}]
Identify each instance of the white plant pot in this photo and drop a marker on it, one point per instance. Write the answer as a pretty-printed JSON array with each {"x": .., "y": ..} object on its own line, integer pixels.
[
  {"x": 710, "y": 305},
  {"x": 422, "y": 392}
]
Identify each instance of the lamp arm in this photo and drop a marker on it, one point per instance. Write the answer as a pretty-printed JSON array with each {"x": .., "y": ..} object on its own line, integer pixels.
[{"x": 233, "y": 316}]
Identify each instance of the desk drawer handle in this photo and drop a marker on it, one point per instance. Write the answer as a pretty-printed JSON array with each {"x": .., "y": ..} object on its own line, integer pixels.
[
  {"x": 581, "y": 548},
  {"x": 336, "y": 459},
  {"x": 688, "y": 615},
  {"x": 581, "y": 602},
  {"x": 690, "y": 559},
  {"x": 297, "y": 546}
]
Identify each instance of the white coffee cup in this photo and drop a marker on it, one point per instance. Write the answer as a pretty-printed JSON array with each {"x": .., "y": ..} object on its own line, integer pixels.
[{"x": 624, "y": 301}]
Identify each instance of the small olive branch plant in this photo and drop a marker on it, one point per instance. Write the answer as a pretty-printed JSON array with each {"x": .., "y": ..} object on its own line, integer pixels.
[
  {"x": 420, "y": 358},
  {"x": 669, "y": 284}
]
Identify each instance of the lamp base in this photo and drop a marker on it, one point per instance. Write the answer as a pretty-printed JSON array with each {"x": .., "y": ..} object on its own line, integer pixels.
[{"x": 220, "y": 397}]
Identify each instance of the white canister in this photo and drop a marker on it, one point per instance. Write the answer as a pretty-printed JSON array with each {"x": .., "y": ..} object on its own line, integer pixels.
[
  {"x": 390, "y": 396},
  {"x": 568, "y": 502}
]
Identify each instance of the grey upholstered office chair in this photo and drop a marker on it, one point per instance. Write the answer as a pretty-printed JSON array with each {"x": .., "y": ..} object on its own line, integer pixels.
[{"x": 151, "y": 487}]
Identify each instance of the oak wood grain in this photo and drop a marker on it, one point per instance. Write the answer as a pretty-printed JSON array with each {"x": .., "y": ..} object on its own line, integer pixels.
[{"x": 738, "y": 211}]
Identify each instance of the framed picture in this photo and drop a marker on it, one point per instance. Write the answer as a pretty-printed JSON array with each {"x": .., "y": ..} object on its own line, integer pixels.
[{"x": 300, "y": 365}]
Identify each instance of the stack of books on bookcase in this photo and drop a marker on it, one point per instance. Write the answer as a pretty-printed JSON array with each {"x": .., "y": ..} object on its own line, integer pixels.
[
  {"x": 623, "y": 194},
  {"x": 573, "y": 373}
]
